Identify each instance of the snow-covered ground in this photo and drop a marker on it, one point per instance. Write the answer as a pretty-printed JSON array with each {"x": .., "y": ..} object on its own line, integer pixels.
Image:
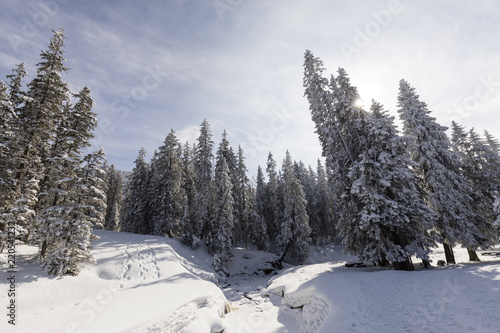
[
  {"x": 155, "y": 284},
  {"x": 140, "y": 284},
  {"x": 329, "y": 297}
]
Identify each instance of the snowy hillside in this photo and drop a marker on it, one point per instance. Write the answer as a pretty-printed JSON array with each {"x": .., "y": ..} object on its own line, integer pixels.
[
  {"x": 155, "y": 284},
  {"x": 140, "y": 284}
]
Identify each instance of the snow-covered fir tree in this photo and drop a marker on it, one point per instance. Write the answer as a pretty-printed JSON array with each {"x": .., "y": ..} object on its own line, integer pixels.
[
  {"x": 135, "y": 216},
  {"x": 437, "y": 168},
  {"x": 481, "y": 167},
  {"x": 39, "y": 116},
  {"x": 493, "y": 143},
  {"x": 166, "y": 192},
  {"x": 293, "y": 239},
  {"x": 222, "y": 226},
  {"x": 260, "y": 234},
  {"x": 203, "y": 171},
  {"x": 393, "y": 222},
  {"x": 227, "y": 152},
  {"x": 323, "y": 207},
  {"x": 114, "y": 199},
  {"x": 12, "y": 146},
  {"x": 271, "y": 213},
  {"x": 189, "y": 189},
  {"x": 244, "y": 202},
  {"x": 8, "y": 124},
  {"x": 72, "y": 199},
  {"x": 17, "y": 96},
  {"x": 341, "y": 127}
]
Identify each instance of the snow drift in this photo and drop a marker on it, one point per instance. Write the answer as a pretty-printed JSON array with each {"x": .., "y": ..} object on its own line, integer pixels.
[{"x": 140, "y": 284}]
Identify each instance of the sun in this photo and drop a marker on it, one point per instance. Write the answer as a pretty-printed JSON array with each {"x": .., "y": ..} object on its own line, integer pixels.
[{"x": 359, "y": 103}]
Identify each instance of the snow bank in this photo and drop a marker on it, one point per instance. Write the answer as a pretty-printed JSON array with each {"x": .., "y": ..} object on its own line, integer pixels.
[
  {"x": 329, "y": 297},
  {"x": 140, "y": 284}
]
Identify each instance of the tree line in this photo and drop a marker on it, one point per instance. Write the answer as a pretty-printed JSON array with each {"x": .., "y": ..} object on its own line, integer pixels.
[{"x": 185, "y": 191}]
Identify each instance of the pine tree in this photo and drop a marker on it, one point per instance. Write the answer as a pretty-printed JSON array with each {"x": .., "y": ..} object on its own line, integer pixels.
[
  {"x": 438, "y": 169},
  {"x": 493, "y": 143},
  {"x": 222, "y": 225},
  {"x": 114, "y": 199},
  {"x": 481, "y": 167},
  {"x": 260, "y": 226},
  {"x": 322, "y": 206},
  {"x": 11, "y": 148},
  {"x": 203, "y": 171},
  {"x": 393, "y": 222},
  {"x": 72, "y": 199},
  {"x": 189, "y": 189},
  {"x": 40, "y": 115},
  {"x": 8, "y": 122},
  {"x": 295, "y": 230},
  {"x": 135, "y": 216},
  {"x": 341, "y": 127},
  {"x": 17, "y": 96},
  {"x": 225, "y": 150},
  {"x": 167, "y": 200},
  {"x": 244, "y": 203},
  {"x": 271, "y": 201}
]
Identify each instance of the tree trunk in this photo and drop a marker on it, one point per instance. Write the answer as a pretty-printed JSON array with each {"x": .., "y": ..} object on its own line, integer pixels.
[
  {"x": 448, "y": 252},
  {"x": 426, "y": 263},
  {"x": 43, "y": 251},
  {"x": 383, "y": 261},
  {"x": 472, "y": 255},
  {"x": 280, "y": 260},
  {"x": 404, "y": 265}
]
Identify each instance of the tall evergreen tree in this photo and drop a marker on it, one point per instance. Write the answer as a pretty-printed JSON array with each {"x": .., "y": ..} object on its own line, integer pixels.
[
  {"x": 114, "y": 199},
  {"x": 17, "y": 96},
  {"x": 40, "y": 115},
  {"x": 8, "y": 122},
  {"x": 322, "y": 206},
  {"x": 203, "y": 171},
  {"x": 493, "y": 143},
  {"x": 135, "y": 216},
  {"x": 244, "y": 203},
  {"x": 167, "y": 199},
  {"x": 260, "y": 226},
  {"x": 222, "y": 225},
  {"x": 72, "y": 198},
  {"x": 295, "y": 230},
  {"x": 271, "y": 213},
  {"x": 189, "y": 189},
  {"x": 438, "y": 169},
  {"x": 341, "y": 127},
  {"x": 393, "y": 222},
  {"x": 225, "y": 150},
  {"x": 481, "y": 167}
]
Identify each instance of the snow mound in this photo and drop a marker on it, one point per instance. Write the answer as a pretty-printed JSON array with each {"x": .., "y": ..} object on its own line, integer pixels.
[
  {"x": 140, "y": 283},
  {"x": 313, "y": 308}
]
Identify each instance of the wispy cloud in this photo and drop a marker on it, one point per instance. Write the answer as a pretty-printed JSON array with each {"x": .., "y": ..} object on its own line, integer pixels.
[{"x": 157, "y": 65}]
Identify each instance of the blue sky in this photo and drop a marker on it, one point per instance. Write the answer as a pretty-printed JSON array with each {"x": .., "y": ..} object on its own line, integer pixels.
[{"x": 157, "y": 65}]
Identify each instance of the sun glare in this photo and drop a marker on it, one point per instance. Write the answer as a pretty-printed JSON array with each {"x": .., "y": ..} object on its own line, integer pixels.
[{"x": 359, "y": 103}]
